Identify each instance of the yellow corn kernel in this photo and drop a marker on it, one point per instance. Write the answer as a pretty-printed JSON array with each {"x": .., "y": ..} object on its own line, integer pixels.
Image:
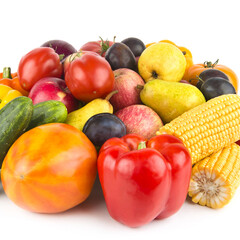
[
  {"x": 215, "y": 179},
  {"x": 208, "y": 127}
]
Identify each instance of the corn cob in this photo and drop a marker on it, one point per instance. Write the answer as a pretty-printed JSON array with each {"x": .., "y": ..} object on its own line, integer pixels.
[
  {"x": 215, "y": 179},
  {"x": 208, "y": 127}
]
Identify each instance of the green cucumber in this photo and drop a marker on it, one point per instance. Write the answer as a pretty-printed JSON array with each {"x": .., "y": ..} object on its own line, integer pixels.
[
  {"x": 14, "y": 119},
  {"x": 51, "y": 111}
]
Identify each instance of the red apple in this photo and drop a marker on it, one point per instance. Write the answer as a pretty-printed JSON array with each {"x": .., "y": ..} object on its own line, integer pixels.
[
  {"x": 51, "y": 88},
  {"x": 126, "y": 81},
  {"x": 184, "y": 81},
  {"x": 140, "y": 119}
]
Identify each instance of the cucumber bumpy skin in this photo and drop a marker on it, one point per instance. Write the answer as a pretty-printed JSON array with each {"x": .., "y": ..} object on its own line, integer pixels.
[
  {"x": 14, "y": 119},
  {"x": 51, "y": 111}
]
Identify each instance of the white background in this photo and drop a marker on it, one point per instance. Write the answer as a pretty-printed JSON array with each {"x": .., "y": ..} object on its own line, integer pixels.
[{"x": 210, "y": 29}]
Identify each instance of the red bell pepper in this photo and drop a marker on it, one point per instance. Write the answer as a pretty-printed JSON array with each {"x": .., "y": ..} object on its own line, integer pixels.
[{"x": 144, "y": 180}]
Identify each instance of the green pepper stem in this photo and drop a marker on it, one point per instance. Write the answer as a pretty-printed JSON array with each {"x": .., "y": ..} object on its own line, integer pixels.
[
  {"x": 7, "y": 72},
  {"x": 141, "y": 145}
]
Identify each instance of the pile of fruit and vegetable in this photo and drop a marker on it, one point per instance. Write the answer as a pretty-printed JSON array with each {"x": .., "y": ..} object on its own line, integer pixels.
[{"x": 151, "y": 124}]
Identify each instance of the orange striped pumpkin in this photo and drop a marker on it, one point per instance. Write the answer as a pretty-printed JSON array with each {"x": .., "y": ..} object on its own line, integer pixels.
[{"x": 50, "y": 168}]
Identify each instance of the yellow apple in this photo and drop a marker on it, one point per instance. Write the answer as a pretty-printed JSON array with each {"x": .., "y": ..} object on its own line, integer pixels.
[{"x": 162, "y": 61}]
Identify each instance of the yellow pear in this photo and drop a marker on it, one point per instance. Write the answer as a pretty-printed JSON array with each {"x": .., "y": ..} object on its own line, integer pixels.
[
  {"x": 79, "y": 117},
  {"x": 170, "y": 99},
  {"x": 162, "y": 61}
]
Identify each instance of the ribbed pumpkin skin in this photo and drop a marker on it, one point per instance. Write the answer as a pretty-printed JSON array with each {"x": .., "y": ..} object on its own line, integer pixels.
[{"x": 50, "y": 168}]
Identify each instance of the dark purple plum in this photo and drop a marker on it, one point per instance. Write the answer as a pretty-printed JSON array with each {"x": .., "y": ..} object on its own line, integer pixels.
[
  {"x": 209, "y": 73},
  {"x": 136, "y": 45},
  {"x": 103, "y": 126},
  {"x": 120, "y": 55},
  {"x": 216, "y": 86}
]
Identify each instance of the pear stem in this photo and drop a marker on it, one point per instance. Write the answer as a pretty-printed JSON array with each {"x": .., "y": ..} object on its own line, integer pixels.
[{"x": 110, "y": 95}]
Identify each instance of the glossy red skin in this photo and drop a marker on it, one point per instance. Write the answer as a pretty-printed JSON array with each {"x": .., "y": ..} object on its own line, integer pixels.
[
  {"x": 180, "y": 161},
  {"x": 95, "y": 46},
  {"x": 89, "y": 77},
  {"x": 72, "y": 57},
  {"x": 142, "y": 185},
  {"x": 39, "y": 63},
  {"x": 53, "y": 89}
]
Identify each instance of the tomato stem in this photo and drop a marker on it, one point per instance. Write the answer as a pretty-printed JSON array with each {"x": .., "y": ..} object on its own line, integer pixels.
[
  {"x": 215, "y": 63},
  {"x": 104, "y": 46},
  {"x": 210, "y": 64},
  {"x": 61, "y": 56},
  {"x": 7, "y": 72},
  {"x": 74, "y": 55},
  {"x": 142, "y": 145}
]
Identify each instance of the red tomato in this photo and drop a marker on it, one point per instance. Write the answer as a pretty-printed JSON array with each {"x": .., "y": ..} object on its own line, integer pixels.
[
  {"x": 39, "y": 63},
  {"x": 100, "y": 47},
  {"x": 74, "y": 56},
  {"x": 89, "y": 77}
]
